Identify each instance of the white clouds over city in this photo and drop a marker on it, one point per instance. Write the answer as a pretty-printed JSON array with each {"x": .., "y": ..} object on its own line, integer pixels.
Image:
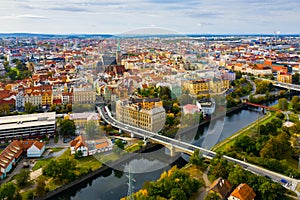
[{"x": 118, "y": 16}]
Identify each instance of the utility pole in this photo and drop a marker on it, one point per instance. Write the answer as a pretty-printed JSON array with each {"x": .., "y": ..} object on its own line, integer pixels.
[{"x": 130, "y": 185}]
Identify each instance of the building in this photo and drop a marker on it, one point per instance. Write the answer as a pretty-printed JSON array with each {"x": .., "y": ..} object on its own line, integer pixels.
[
  {"x": 190, "y": 109},
  {"x": 12, "y": 154},
  {"x": 89, "y": 147},
  {"x": 36, "y": 150},
  {"x": 242, "y": 192},
  {"x": 84, "y": 96},
  {"x": 79, "y": 144},
  {"x": 284, "y": 77},
  {"x": 207, "y": 106},
  {"x": 27, "y": 126},
  {"x": 196, "y": 87},
  {"x": 146, "y": 114},
  {"x": 80, "y": 119},
  {"x": 222, "y": 187}
]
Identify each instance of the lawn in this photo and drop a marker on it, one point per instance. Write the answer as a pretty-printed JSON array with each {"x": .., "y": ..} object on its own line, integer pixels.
[
  {"x": 133, "y": 147},
  {"x": 89, "y": 161},
  {"x": 56, "y": 149},
  {"x": 41, "y": 163}
]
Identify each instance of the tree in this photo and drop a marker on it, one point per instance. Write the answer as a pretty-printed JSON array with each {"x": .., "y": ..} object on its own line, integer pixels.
[
  {"x": 4, "y": 110},
  {"x": 119, "y": 144},
  {"x": 67, "y": 127},
  {"x": 68, "y": 108},
  {"x": 12, "y": 74},
  {"x": 195, "y": 158},
  {"x": 271, "y": 191},
  {"x": 29, "y": 195},
  {"x": 92, "y": 128},
  {"x": 7, "y": 190},
  {"x": 22, "y": 177},
  {"x": 295, "y": 78},
  {"x": 29, "y": 108},
  {"x": 283, "y": 104},
  {"x": 212, "y": 196},
  {"x": 40, "y": 189}
]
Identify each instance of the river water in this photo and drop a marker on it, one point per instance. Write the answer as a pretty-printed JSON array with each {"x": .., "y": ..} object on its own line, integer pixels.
[{"x": 112, "y": 184}]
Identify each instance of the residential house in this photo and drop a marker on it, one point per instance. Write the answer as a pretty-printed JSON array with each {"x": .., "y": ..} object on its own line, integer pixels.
[
  {"x": 190, "y": 109},
  {"x": 222, "y": 187},
  {"x": 79, "y": 144},
  {"x": 242, "y": 192}
]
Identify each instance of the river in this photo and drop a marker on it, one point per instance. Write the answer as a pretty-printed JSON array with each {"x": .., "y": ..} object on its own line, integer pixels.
[{"x": 112, "y": 185}]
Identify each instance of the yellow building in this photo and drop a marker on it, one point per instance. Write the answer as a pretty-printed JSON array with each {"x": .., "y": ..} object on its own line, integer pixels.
[
  {"x": 219, "y": 86},
  {"x": 196, "y": 87},
  {"x": 284, "y": 78},
  {"x": 47, "y": 98},
  {"x": 147, "y": 115},
  {"x": 81, "y": 119}
]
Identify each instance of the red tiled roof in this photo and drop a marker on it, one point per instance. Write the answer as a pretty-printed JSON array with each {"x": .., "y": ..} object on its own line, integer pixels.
[{"x": 243, "y": 192}]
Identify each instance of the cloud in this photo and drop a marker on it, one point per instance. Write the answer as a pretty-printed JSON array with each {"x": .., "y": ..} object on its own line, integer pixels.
[{"x": 24, "y": 16}]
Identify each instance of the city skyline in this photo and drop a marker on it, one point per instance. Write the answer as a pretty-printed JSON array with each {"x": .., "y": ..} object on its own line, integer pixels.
[{"x": 171, "y": 16}]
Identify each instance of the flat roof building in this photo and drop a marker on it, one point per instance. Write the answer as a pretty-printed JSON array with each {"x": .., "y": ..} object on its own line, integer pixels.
[{"x": 27, "y": 126}]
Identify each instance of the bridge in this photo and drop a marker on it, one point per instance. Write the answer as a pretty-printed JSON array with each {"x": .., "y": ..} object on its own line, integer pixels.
[
  {"x": 288, "y": 86},
  {"x": 176, "y": 146},
  {"x": 261, "y": 106}
]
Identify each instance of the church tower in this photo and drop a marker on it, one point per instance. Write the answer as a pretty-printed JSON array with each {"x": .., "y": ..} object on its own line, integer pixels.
[{"x": 118, "y": 54}]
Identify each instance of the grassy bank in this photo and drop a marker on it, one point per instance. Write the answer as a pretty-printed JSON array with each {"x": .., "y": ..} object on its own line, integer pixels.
[{"x": 222, "y": 146}]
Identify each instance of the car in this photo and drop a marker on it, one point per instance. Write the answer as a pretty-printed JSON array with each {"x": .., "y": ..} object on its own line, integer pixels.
[
  {"x": 268, "y": 177},
  {"x": 283, "y": 181}
]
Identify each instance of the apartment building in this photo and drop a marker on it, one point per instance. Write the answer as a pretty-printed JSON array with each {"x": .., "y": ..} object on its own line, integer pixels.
[{"x": 146, "y": 114}]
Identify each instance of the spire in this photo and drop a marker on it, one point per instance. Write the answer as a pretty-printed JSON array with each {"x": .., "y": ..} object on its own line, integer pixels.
[{"x": 118, "y": 49}]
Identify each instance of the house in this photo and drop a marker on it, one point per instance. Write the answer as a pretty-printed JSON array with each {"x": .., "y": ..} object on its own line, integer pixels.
[
  {"x": 222, "y": 187},
  {"x": 242, "y": 192},
  {"x": 36, "y": 149},
  {"x": 190, "y": 109},
  {"x": 12, "y": 154},
  {"x": 79, "y": 144}
]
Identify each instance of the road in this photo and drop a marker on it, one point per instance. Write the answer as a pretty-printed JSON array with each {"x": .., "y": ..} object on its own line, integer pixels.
[{"x": 106, "y": 115}]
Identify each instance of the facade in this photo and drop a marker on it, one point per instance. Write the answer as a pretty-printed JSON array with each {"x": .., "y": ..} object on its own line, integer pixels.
[
  {"x": 27, "y": 126},
  {"x": 35, "y": 98},
  {"x": 80, "y": 119},
  {"x": 84, "y": 96},
  {"x": 242, "y": 192},
  {"x": 196, "y": 87},
  {"x": 148, "y": 115},
  {"x": 20, "y": 101},
  {"x": 36, "y": 150},
  {"x": 79, "y": 144},
  {"x": 284, "y": 78}
]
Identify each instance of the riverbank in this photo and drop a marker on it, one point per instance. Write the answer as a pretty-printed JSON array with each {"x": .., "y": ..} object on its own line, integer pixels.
[
  {"x": 221, "y": 146},
  {"x": 91, "y": 176}
]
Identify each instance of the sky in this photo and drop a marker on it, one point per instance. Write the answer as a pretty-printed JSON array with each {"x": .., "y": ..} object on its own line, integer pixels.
[{"x": 174, "y": 16}]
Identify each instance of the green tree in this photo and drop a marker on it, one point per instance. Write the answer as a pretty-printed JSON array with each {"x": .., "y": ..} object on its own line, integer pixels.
[
  {"x": 67, "y": 127},
  {"x": 212, "y": 196},
  {"x": 283, "y": 104},
  {"x": 4, "y": 110},
  {"x": 29, "y": 108},
  {"x": 271, "y": 191},
  {"x": 295, "y": 78},
  {"x": 7, "y": 190},
  {"x": 92, "y": 128},
  {"x": 29, "y": 195},
  {"x": 22, "y": 177},
  {"x": 119, "y": 144},
  {"x": 40, "y": 189},
  {"x": 195, "y": 158},
  {"x": 68, "y": 108}
]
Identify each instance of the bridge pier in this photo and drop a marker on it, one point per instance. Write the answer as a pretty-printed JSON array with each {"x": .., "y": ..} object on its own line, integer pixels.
[
  {"x": 145, "y": 140},
  {"x": 172, "y": 150},
  {"x": 120, "y": 130},
  {"x": 132, "y": 135}
]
